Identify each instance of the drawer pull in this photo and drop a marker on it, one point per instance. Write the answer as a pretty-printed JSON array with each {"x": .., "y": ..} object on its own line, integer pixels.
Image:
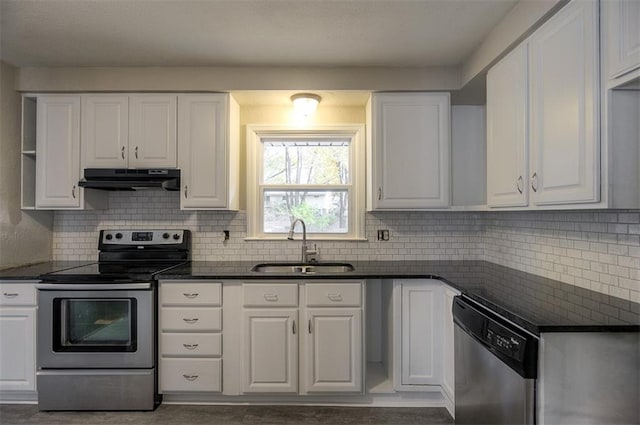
[
  {"x": 190, "y": 346},
  {"x": 191, "y": 321},
  {"x": 191, "y": 294},
  {"x": 10, "y": 294},
  {"x": 190, "y": 377},
  {"x": 271, "y": 297},
  {"x": 335, "y": 297}
]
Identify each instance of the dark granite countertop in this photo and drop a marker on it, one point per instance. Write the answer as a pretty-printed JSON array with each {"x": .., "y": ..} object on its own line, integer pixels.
[
  {"x": 536, "y": 303},
  {"x": 34, "y": 271}
]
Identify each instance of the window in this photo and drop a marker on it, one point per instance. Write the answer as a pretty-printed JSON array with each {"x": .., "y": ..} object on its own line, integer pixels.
[{"x": 316, "y": 175}]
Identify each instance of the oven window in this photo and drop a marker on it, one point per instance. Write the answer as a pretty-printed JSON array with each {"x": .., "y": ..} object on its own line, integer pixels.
[{"x": 95, "y": 324}]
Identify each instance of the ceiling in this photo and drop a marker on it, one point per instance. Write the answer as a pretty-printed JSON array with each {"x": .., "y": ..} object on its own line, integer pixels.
[{"x": 399, "y": 33}]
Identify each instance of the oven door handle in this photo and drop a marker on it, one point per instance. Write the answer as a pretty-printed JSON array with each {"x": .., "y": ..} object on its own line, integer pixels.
[{"x": 93, "y": 286}]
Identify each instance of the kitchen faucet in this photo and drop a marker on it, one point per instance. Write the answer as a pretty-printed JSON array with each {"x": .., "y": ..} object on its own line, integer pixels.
[{"x": 307, "y": 255}]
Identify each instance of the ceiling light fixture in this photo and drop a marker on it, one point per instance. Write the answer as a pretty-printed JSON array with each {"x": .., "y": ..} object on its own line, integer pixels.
[{"x": 305, "y": 104}]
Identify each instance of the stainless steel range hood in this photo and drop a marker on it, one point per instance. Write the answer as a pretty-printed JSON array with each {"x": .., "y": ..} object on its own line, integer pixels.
[{"x": 129, "y": 179}]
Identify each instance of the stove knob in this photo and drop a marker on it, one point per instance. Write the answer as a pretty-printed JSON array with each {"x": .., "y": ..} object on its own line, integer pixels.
[
  {"x": 118, "y": 235},
  {"x": 176, "y": 236},
  {"x": 165, "y": 236},
  {"x": 109, "y": 236}
]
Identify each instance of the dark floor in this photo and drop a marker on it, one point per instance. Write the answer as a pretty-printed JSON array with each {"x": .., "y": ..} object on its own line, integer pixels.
[{"x": 14, "y": 414}]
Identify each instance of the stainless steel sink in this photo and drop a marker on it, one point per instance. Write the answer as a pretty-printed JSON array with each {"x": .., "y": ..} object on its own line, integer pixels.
[{"x": 302, "y": 268}]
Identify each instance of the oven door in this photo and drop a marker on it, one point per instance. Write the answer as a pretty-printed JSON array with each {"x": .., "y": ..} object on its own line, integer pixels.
[{"x": 96, "y": 325}]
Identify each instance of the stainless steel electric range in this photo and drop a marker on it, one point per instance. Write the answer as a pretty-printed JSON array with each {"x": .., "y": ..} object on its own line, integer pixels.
[{"x": 97, "y": 328}]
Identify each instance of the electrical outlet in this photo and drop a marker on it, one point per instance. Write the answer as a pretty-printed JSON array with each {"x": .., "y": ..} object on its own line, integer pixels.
[{"x": 383, "y": 235}]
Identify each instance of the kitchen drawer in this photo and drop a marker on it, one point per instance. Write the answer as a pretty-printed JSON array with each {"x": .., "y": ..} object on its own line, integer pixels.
[
  {"x": 191, "y": 344},
  {"x": 333, "y": 294},
  {"x": 191, "y": 319},
  {"x": 191, "y": 375},
  {"x": 270, "y": 295},
  {"x": 17, "y": 294},
  {"x": 191, "y": 293}
]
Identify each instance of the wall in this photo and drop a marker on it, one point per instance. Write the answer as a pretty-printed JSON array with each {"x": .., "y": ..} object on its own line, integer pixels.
[
  {"x": 25, "y": 237},
  {"x": 61, "y": 79},
  {"x": 599, "y": 250}
]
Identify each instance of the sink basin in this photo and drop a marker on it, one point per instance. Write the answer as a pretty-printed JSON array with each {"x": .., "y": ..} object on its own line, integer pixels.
[{"x": 302, "y": 268}]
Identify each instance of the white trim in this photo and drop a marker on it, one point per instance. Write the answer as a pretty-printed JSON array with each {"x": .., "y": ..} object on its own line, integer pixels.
[{"x": 255, "y": 132}]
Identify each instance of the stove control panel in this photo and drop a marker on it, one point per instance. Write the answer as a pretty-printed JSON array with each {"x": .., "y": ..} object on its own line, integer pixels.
[{"x": 143, "y": 237}]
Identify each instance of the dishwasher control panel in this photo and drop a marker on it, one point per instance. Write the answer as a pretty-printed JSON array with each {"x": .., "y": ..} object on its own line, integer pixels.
[{"x": 504, "y": 341}]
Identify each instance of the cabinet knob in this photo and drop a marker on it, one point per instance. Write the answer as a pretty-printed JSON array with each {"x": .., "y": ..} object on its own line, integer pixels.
[
  {"x": 518, "y": 184},
  {"x": 190, "y": 346},
  {"x": 186, "y": 191},
  {"x": 190, "y": 377},
  {"x": 309, "y": 325},
  {"x": 191, "y": 295},
  {"x": 10, "y": 294},
  {"x": 534, "y": 182},
  {"x": 379, "y": 193},
  {"x": 73, "y": 191},
  {"x": 135, "y": 151},
  {"x": 293, "y": 327},
  {"x": 190, "y": 321},
  {"x": 122, "y": 151}
]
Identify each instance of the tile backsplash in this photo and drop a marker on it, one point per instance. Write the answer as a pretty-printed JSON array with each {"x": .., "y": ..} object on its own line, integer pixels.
[{"x": 599, "y": 250}]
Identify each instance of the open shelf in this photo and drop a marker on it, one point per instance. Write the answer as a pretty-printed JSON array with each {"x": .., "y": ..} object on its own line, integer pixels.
[{"x": 28, "y": 156}]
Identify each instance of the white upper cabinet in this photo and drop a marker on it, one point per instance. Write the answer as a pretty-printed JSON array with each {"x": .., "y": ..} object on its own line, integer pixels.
[
  {"x": 58, "y": 147},
  {"x": 507, "y": 133},
  {"x": 152, "y": 131},
  {"x": 409, "y": 152},
  {"x": 105, "y": 131},
  {"x": 564, "y": 127},
  {"x": 622, "y": 34},
  {"x": 208, "y": 155},
  {"x": 120, "y": 131}
]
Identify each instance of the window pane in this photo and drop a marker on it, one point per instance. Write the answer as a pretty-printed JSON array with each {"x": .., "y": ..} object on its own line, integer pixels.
[
  {"x": 323, "y": 211},
  {"x": 316, "y": 161}
]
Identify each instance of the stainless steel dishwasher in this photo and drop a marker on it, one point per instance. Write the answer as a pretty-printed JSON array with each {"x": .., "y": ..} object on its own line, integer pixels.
[{"x": 495, "y": 367}]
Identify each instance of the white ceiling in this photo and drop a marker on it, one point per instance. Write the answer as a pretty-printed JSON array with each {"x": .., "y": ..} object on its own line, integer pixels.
[{"x": 403, "y": 33}]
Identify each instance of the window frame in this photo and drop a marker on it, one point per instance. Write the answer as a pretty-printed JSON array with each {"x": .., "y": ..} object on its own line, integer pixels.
[{"x": 256, "y": 187}]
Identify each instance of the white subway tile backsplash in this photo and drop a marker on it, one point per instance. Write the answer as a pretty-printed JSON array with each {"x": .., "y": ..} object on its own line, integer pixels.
[{"x": 599, "y": 250}]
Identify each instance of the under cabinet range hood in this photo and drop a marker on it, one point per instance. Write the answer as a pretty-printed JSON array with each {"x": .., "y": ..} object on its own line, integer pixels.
[{"x": 130, "y": 179}]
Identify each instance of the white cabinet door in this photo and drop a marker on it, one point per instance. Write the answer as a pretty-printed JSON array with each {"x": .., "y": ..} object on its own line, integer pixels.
[
  {"x": 410, "y": 151},
  {"x": 420, "y": 333},
  {"x": 202, "y": 143},
  {"x": 152, "y": 131},
  {"x": 333, "y": 348},
  {"x": 17, "y": 349},
  {"x": 270, "y": 351},
  {"x": 564, "y": 127},
  {"x": 58, "y": 147},
  {"x": 507, "y": 133},
  {"x": 622, "y": 34},
  {"x": 448, "y": 355},
  {"x": 105, "y": 131}
]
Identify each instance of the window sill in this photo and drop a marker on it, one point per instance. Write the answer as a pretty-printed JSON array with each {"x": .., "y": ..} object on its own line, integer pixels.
[{"x": 309, "y": 239}]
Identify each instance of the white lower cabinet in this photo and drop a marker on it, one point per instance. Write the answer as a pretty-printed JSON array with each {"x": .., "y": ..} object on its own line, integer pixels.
[
  {"x": 329, "y": 338},
  {"x": 421, "y": 339},
  {"x": 333, "y": 350},
  {"x": 190, "y": 334},
  {"x": 270, "y": 351},
  {"x": 17, "y": 340}
]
